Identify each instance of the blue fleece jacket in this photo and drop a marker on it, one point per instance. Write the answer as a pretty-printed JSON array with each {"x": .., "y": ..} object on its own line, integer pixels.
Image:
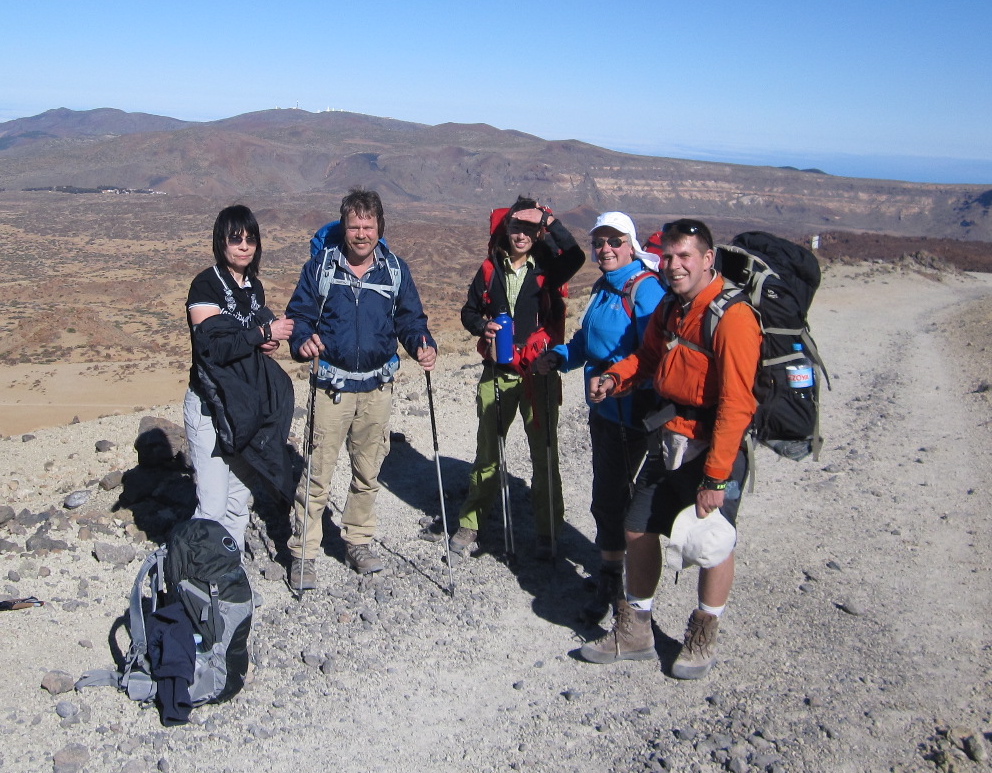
[
  {"x": 608, "y": 334},
  {"x": 359, "y": 327}
]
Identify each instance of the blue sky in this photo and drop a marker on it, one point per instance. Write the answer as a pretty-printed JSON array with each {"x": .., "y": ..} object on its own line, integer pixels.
[{"x": 872, "y": 88}]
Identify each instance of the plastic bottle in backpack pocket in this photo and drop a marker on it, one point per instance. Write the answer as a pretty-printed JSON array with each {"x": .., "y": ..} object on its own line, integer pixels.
[
  {"x": 799, "y": 372},
  {"x": 504, "y": 338}
]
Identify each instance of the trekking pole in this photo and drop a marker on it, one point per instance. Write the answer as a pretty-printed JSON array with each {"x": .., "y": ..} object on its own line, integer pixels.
[
  {"x": 440, "y": 485},
  {"x": 503, "y": 483},
  {"x": 547, "y": 451},
  {"x": 631, "y": 479},
  {"x": 308, "y": 450}
]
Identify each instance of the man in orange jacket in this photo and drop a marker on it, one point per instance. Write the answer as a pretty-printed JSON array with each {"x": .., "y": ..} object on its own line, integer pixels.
[{"x": 699, "y": 459}]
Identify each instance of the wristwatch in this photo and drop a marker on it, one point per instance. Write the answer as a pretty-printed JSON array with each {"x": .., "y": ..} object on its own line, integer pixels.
[{"x": 712, "y": 484}]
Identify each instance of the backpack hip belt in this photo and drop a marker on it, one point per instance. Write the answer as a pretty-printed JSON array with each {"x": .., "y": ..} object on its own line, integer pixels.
[{"x": 329, "y": 376}]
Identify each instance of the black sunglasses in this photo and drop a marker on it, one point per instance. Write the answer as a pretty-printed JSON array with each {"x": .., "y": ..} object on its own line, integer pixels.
[
  {"x": 688, "y": 228},
  {"x": 235, "y": 241},
  {"x": 613, "y": 241},
  {"x": 522, "y": 227}
]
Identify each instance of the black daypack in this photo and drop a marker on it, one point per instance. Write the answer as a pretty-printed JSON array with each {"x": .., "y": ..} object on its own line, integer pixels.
[
  {"x": 203, "y": 571},
  {"x": 197, "y": 614},
  {"x": 777, "y": 279}
]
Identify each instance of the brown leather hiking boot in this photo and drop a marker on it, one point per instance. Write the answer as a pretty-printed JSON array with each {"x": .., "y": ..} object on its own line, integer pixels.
[
  {"x": 362, "y": 559},
  {"x": 462, "y": 539},
  {"x": 631, "y": 638},
  {"x": 302, "y": 574},
  {"x": 698, "y": 648}
]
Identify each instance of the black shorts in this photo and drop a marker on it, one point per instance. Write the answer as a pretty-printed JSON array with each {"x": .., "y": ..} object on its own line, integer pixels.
[{"x": 660, "y": 494}]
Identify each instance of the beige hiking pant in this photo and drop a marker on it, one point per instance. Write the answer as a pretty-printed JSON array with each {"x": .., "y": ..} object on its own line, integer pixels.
[{"x": 361, "y": 419}]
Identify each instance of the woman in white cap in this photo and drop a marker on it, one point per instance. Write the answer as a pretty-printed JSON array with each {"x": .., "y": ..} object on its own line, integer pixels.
[{"x": 622, "y": 302}]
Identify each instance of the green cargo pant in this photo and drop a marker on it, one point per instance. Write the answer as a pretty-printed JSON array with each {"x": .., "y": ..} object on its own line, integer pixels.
[{"x": 528, "y": 397}]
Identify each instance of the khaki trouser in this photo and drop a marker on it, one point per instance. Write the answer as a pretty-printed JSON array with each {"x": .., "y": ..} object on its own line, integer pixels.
[
  {"x": 484, "y": 480},
  {"x": 361, "y": 419}
]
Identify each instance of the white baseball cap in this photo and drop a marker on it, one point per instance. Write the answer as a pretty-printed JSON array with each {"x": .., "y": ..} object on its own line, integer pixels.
[
  {"x": 704, "y": 542},
  {"x": 622, "y": 223}
]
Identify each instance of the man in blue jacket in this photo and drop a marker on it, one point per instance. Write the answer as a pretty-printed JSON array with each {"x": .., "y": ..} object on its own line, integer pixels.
[{"x": 351, "y": 305}]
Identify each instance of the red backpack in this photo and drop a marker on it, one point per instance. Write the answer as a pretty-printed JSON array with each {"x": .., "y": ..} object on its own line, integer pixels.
[{"x": 544, "y": 337}]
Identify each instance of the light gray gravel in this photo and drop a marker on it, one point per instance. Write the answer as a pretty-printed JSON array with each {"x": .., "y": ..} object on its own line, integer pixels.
[{"x": 857, "y": 637}]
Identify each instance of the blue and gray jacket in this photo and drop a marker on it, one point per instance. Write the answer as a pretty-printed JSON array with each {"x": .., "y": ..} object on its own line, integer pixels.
[
  {"x": 360, "y": 319},
  {"x": 609, "y": 333}
]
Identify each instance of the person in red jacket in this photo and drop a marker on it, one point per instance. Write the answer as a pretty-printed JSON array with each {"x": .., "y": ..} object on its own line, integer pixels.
[
  {"x": 699, "y": 459},
  {"x": 531, "y": 257}
]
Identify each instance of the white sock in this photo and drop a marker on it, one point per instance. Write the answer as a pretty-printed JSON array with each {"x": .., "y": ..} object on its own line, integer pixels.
[
  {"x": 716, "y": 611},
  {"x": 641, "y": 605}
]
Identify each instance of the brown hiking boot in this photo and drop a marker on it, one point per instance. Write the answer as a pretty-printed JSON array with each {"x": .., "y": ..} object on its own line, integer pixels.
[
  {"x": 631, "y": 638},
  {"x": 698, "y": 648},
  {"x": 462, "y": 539},
  {"x": 302, "y": 574},
  {"x": 363, "y": 560}
]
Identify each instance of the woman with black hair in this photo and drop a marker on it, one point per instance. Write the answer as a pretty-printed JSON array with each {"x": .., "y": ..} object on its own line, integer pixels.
[
  {"x": 531, "y": 257},
  {"x": 230, "y": 328}
]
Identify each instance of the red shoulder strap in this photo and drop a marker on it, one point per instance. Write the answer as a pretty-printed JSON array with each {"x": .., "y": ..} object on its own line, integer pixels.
[
  {"x": 487, "y": 268},
  {"x": 630, "y": 289}
]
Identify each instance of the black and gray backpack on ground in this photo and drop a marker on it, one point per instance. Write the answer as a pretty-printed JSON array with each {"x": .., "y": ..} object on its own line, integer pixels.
[
  {"x": 200, "y": 597},
  {"x": 203, "y": 570}
]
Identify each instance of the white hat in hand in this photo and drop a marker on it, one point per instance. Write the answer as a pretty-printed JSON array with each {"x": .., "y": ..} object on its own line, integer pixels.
[{"x": 704, "y": 542}]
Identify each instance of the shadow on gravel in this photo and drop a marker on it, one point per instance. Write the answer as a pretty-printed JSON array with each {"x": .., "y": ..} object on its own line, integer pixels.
[
  {"x": 158, "y": 498},
  {"x": 412, "y": 478},
  {"x": 559, "y": 591},
  {"x": 667, "y": 647}
]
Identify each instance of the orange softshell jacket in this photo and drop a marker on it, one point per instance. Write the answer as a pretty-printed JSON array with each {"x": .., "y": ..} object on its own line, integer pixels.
[{"x": 690, "y": 378}]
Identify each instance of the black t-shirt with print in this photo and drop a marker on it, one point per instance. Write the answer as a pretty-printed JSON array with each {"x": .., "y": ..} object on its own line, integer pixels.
[{"x": 216, "y": 287}]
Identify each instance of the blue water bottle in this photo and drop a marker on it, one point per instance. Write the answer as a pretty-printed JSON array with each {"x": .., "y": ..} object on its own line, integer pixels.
[{"x": 504, "y": 338}]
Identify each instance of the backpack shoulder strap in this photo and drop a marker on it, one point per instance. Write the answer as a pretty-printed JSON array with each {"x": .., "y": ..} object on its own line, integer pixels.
[
  {"x": 488, "y": 269},
  {"x": 629, "y": 291},
  {"x": 137, "y": 683},
  {"x": 326, "y": 278},
  {"x": 134, "y": 678},
  {"x": 396, "y": 274},
  {"x": 731, "y": 295},
  {"x": 324, "y": 275}
]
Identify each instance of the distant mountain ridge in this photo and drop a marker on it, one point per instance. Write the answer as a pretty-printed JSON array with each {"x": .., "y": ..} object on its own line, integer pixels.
[
  {"x": 288, "y": 152},
  {"x": 102, "y": 122}
]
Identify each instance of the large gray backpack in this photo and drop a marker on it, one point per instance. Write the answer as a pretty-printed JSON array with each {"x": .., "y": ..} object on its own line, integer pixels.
[{"x": 196, "y": 584}]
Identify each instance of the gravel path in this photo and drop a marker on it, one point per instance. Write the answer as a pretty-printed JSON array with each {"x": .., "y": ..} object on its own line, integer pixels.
[{"x": 856, "y": 639}]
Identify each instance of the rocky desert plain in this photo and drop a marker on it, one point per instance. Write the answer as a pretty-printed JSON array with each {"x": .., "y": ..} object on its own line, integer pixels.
[{"x": 858, "y": 636}]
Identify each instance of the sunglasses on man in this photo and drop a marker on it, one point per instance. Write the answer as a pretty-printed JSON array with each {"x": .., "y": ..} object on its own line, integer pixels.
[{"x": 688, "y": 227}]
